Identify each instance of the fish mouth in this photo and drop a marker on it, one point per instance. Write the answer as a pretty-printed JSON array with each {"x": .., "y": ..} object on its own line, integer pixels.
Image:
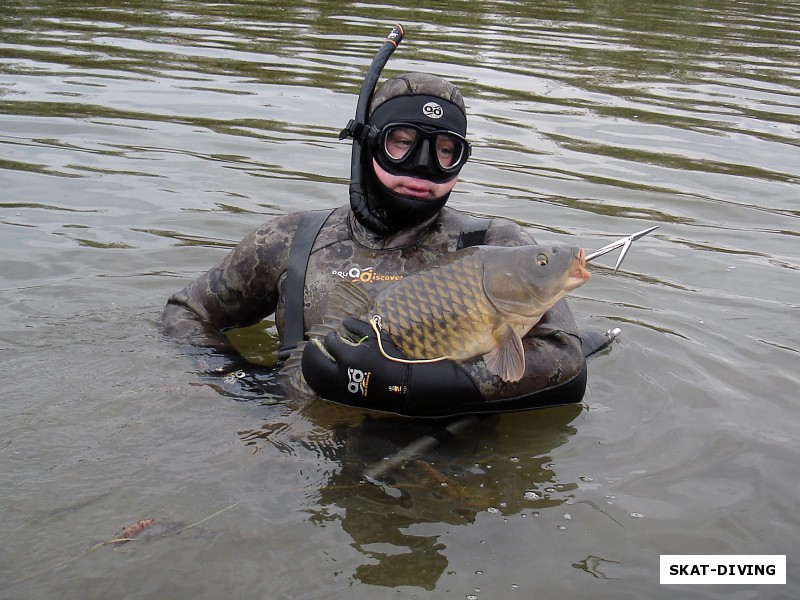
[{"x": 578, "y": 274}]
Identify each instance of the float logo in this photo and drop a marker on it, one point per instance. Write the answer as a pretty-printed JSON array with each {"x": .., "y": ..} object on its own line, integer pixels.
[{"x": 358, "y": 381}]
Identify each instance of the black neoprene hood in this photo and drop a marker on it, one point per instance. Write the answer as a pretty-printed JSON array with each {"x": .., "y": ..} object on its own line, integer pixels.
[
  {"x": 422, "y": 109},
  {"x": 422, "y": 99}
]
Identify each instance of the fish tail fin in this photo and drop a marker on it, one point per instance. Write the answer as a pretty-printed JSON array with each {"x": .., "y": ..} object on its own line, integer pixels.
[
  {"x": 345, "y": 300},
  {"x": 291, "y": 374}
]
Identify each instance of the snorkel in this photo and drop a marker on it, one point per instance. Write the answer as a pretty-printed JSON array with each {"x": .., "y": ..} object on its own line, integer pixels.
[{"x": 357, "y": 129}]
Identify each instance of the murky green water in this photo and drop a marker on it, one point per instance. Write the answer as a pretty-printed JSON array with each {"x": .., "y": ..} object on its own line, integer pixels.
[{"x": 140, "y": 140}]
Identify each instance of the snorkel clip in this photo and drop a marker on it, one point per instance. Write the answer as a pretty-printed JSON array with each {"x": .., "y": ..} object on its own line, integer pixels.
[{"x": 357, "y": 131}]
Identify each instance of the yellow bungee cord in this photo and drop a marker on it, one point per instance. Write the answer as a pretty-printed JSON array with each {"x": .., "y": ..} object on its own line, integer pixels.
[{"x": 377, "y": 326}]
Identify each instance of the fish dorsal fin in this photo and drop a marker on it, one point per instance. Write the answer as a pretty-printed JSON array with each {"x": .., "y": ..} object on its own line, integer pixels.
[{"x": 507, "y": 360}]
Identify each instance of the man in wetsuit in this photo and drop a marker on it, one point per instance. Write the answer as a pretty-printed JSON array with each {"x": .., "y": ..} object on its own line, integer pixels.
[{"x": 413, "y": 149}]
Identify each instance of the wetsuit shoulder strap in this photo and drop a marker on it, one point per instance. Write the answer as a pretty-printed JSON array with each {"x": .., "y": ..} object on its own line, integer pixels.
[
  {"x": 473, "y": 232},
  {"x": 299, "y": 252}
]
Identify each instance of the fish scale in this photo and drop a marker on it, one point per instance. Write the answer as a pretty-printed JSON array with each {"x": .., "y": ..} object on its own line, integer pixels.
[{"x": 421, "y": 312}]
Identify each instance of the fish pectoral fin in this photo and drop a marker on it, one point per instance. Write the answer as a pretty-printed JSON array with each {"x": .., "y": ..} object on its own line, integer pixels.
[{"x": 507, "y": 360}]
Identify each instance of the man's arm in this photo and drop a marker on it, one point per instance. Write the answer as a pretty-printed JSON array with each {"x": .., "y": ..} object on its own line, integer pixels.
[{"x": 240, "y": 291}]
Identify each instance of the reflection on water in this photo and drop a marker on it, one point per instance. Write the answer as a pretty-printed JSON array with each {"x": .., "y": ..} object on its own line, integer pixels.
[
  {"x": 452, "y": 483},
  {"x": 140, "y": 140}
]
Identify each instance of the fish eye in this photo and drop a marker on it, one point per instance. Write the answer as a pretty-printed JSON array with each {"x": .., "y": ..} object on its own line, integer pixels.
[{"x": 541, "y": 259}]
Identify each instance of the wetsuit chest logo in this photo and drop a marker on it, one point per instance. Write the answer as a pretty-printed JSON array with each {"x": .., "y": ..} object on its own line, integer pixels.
[{"x": 365, "y": 275}]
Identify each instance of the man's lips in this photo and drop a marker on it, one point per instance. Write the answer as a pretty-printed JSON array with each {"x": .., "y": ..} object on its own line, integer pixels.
[{"x": 415, "y": 188}]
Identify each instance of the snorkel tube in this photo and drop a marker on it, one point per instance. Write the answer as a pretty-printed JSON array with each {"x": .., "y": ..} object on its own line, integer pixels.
[{"x": 358, "y": 130}]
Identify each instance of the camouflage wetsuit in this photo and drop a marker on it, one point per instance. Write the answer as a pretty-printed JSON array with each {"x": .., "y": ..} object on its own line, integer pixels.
[{"x": 249, "y": 285}]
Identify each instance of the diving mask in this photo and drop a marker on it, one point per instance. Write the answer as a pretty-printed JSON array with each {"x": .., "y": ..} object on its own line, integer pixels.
[{"x": 421, "y": 151}]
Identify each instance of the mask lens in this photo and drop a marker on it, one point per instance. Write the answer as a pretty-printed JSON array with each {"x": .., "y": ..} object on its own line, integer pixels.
[
  {"x": 449, "y": 150},
  {"x": 399, "y": 141}
]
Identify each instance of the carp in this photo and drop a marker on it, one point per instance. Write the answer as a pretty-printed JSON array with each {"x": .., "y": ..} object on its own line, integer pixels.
[{"x": 479, "y": 301}]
